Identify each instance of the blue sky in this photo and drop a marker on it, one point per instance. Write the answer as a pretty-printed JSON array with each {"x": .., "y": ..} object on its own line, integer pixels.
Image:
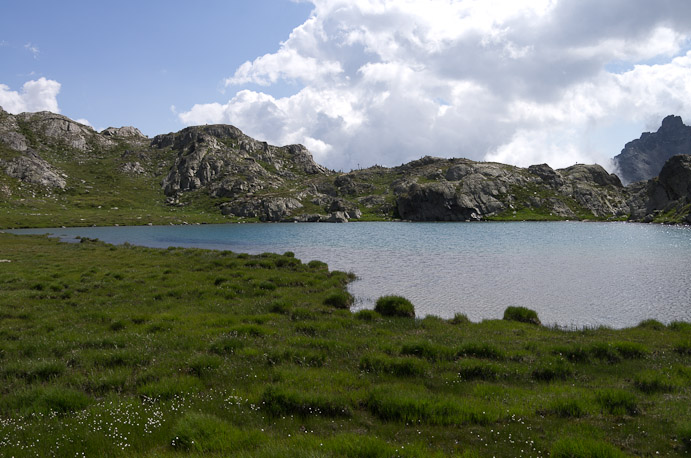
[
  {"x": 362, "y": 82},
  {"x": 126, "y": 62}
]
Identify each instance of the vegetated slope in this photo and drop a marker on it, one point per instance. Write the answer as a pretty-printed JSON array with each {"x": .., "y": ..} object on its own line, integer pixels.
[
  {"x": 132, "y": 351},
  {"x": 60, "y": 172},
  {"x": 642, "y": 159}
]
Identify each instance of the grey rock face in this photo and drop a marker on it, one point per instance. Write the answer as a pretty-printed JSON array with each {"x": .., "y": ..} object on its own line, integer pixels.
[
  {"x": 266, "y": 209},
  {"x": 229, "y": 163},
  {"x": 32, "y": 169},
  {"x": 643, "y": 159},
  {"x": 673, "y": 187}
]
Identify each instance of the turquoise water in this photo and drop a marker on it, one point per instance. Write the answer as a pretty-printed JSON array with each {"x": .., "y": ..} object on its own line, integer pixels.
[{"x": 572, "y": 274}]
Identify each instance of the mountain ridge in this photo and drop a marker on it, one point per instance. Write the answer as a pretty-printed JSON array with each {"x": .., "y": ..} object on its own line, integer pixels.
[{"x": 60, "y": 172}]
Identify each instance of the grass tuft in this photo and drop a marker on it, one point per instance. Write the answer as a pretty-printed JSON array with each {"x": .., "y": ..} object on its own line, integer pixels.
[
  {"x": 395, "y": 306},
  {"x": 521, "y": 314},
  {"x": 584, "y": 447}
]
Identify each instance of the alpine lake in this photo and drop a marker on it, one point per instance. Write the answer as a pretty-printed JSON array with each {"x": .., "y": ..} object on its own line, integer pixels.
[{"x": 573, "y": 274}]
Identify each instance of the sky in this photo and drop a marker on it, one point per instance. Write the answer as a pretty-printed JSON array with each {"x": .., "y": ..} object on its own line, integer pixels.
[{"x": 362, "y": 82}]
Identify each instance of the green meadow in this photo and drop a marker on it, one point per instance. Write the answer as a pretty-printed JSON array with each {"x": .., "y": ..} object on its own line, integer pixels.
[{"x": 128, "y": 351}]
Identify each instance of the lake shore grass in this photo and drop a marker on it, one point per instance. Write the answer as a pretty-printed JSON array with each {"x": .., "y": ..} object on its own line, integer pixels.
[{"x": 131, "y": 351}]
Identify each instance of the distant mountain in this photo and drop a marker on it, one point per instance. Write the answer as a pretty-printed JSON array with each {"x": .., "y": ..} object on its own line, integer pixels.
[
  {"x": 643, "y": 159},
  {"x": 55, "y": 171}
]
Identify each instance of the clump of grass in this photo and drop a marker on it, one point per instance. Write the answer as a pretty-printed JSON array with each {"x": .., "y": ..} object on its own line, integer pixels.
[
  {"x": 552, "y": 369},
  {"x": 367, "y": 315},
  {"x": 395, "y": 306},
  {"x": 280, "y": 306},
  {"x": 168, "y": 387},
  {"x": 480, "y": 350},
  {"x": 521, "y": 314},
  {"x": 279, "y": 401},
  {"x": 630, "y": 350},
  {"x": 683, "y": 347},
  {"x": 584, "y": 447},
  {"x": 339, "y": 299},
  {"x": 206, "y": 433},
  {"x": 46, "y": 399},
  {"x": 617, "y": 402},
  {"x": 574, "y": 353},
  {"x": 427, "y": 350},
  {"x": 201, "y": 365},
  {"x": 653, "y": 382},
  {"x": 684, "y": 435},
  {"x": 604, "y": 351},
  {"x": 421, "y": 408},
  {"x": 568, "y": 408},
  {"x": 680, "y": 326},
  {"x": 401, "y": 367},
  {"x": 460, "y": 318},
  {"x": 651, "y": 324},
  {"x": 475, "y": 370},
  {"x": 226, "y": 345}
]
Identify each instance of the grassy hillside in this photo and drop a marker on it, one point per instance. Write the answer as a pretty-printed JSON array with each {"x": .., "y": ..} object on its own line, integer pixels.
[{"x": 129, "y": 351}]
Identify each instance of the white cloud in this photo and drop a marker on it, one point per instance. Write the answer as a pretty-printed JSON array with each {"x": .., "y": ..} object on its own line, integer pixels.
[
  {"x": 518, "y": 81},
  {"x": 33, "y": 49},
  {"x": 36, "y": 95}
]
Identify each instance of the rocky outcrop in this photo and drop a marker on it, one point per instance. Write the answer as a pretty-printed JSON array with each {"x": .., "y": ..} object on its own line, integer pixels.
[
  {"x": 219, "y": 166},
  {"x": 230, "y": 164},
  {"x": 464, "y": 190},
  {"x": 31, "y": 168},
  {"x": 670, "y": 193},
  {"x": 266, "y": 209},
  {"x": 127, "y": 132},
  {"x": 643, "y": 159},
  {"x": 60, "y": 129}
]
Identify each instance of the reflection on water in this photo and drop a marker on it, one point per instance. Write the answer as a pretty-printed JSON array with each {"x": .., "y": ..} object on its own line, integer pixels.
[{"x": 572, "y": 274}]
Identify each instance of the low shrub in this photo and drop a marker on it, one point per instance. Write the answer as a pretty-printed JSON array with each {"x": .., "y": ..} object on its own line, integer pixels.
[
  {"x": 521, "y": 314},
  {"x": 339, "y": 300},
  {"x": 395, "y": 306},
  {"x": 583, "y": 447},
  {"x": 617, "y": 402}
]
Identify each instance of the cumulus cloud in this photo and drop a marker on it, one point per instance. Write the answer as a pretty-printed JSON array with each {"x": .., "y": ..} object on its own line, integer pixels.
[
  {"x": 36, "y": 95},
  {"x": 516, "y": 81}
]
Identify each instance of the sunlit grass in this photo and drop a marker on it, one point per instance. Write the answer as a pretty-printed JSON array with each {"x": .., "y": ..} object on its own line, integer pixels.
[{"x": 128, "y": 351}]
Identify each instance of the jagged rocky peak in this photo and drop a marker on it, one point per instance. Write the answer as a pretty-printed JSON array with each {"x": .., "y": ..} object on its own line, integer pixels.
[{"x": 643, "y": 159}]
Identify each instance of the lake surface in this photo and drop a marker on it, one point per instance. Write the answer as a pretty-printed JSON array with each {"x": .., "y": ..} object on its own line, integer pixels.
[{"x": 573, "y": 274}]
